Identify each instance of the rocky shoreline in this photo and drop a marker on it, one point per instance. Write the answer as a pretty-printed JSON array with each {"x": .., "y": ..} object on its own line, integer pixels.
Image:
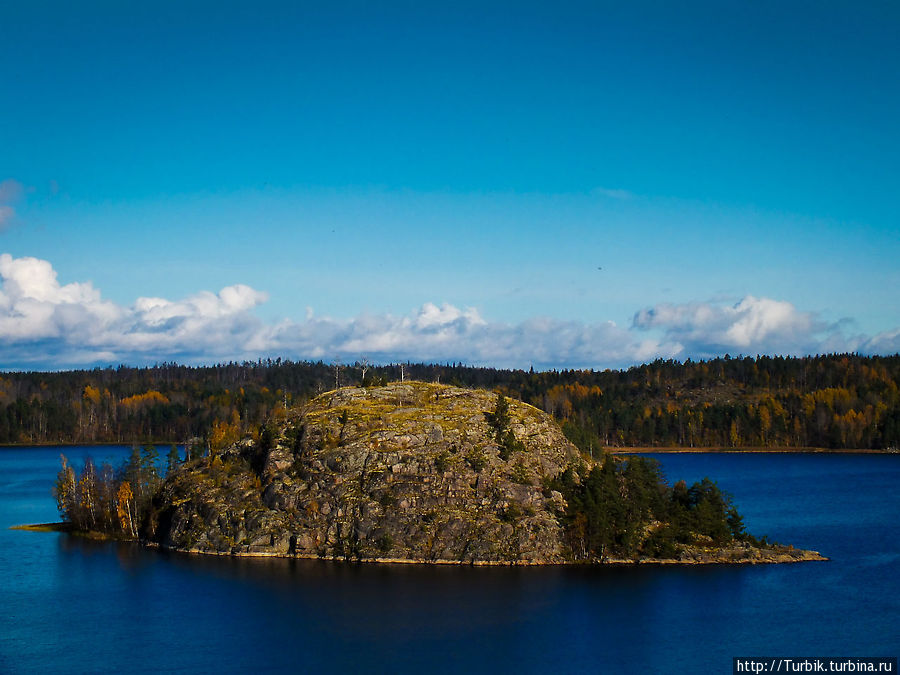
[
  {"x": 756, "y": 557},
  {"x": 698, "y": 556},
  {"x": 709, "y": 556}
]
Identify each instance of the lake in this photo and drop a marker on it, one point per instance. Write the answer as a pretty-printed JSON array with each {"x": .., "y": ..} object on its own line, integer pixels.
[{"x": 70, "y": 605}]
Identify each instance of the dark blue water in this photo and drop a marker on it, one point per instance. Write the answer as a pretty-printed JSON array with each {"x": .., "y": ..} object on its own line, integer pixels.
[{"x": 69, "y": 605}]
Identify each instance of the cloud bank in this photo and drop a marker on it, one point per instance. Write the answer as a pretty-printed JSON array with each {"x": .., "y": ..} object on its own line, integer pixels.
[{"x": 46, "y": 325}]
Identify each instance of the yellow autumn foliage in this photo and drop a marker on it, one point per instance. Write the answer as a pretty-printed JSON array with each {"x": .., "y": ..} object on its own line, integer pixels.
[
  {"x": 224, "y": 434},
  {"x": 91, "y": 395},
  {"x": 138, "y": 401},
  {"x": 124, "y": 501}
]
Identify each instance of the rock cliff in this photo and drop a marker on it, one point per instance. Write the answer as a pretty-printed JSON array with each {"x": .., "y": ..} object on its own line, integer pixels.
[{"x": 409, "y": 471}]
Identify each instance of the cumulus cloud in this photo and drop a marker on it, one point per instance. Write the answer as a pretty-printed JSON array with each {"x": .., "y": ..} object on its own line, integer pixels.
[
  {"x": 750, "y": 326},
  {"x": 34, "y": 306},
  {"x": 47, "y": 325},
  {"x": 466, "y": 337}
]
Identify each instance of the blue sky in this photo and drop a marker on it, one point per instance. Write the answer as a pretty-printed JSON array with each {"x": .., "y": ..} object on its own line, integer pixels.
[{"x": 514, "y": 184}]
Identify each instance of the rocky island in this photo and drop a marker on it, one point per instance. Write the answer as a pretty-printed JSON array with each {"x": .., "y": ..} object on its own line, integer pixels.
[
  {"x": 416, "y": 472},
  {"x": 412, "y": 472}
]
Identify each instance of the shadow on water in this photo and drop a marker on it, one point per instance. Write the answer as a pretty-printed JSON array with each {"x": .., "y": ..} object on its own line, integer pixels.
[{"x": 348, "y": 615}]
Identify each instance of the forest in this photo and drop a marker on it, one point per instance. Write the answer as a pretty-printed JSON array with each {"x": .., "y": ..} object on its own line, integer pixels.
[{"x": 840, "y": 401}]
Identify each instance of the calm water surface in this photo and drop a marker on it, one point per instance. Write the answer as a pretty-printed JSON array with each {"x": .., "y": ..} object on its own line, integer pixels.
[{"x": 68, "y": 605}]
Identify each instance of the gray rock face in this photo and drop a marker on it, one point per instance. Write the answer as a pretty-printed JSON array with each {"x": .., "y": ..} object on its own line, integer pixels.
[{"x": 409, "y": 471}]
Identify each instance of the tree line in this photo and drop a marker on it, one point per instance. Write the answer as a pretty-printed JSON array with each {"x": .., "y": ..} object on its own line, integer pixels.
[{"x": 831, "y": 401}]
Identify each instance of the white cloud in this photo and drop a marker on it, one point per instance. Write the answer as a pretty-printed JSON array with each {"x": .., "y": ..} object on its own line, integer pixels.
[
  {"x": 432, "y": 316},
  {"x": 887, "y": 342},
  {"x": 33, "y": 305},
  {"x": 46, "y": 325},
  {"x": 155, "y": 312},
  {"x": 467, "y": 337},
  {"x": 751, "y": 326}
]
